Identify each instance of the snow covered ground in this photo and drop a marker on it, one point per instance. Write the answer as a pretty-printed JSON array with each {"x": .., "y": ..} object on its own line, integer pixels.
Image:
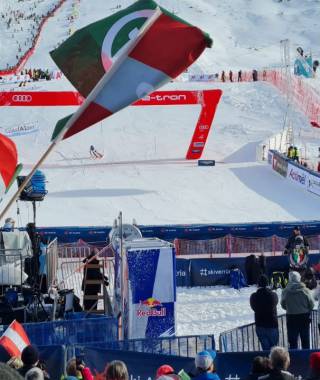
[
  {"x": 214, "y": 310},
  {"x": 143, "y": 172}
]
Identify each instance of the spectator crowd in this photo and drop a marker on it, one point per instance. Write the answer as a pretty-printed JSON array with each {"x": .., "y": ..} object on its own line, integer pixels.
[
  {"x": 272, "y": 367},
  {"x": 22, "y": 27}
]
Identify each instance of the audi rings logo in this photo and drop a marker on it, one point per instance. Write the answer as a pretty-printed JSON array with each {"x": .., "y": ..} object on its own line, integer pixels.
[{"x": 22, "y": 98}]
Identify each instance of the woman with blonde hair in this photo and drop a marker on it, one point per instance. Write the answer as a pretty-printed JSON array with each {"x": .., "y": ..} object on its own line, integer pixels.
[{"x": 116, "y": 370}]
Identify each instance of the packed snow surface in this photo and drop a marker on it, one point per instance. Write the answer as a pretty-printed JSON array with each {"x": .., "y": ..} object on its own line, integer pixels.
[
  {"x": 214, "y": 310},
  {"x": 143, "y": 172}
]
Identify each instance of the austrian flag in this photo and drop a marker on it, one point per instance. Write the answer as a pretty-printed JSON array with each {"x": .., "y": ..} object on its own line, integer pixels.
[
  {"x": 14, "y": 339},
  {"x": 122, "y": 58}
]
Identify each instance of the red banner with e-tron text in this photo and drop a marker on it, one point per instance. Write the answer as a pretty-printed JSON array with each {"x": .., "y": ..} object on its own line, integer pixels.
[{"x": 208, "y": 99}]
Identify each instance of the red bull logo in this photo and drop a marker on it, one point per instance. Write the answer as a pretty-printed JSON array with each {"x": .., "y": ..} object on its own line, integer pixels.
[
  {"x": 151, "y": 302},
  {"x": 151, "y": 307}
]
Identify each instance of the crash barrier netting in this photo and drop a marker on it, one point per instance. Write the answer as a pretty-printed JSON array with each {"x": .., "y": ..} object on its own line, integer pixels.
[
  {"x": 22, "y": 60},
  {"x": 304, "y": 96},
  {"x": 71, "y": 266},
  {"x": 231, "y": 245},
  {"x": 244, "y": 338},
  {"x": 187, "y": 346}
]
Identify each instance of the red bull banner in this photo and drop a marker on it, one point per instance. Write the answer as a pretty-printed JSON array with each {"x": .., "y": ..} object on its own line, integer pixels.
[{"x": 208, "y": 99}]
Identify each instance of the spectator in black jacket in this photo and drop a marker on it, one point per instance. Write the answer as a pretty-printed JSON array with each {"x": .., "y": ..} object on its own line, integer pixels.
[{"x": 264, "y": 304}]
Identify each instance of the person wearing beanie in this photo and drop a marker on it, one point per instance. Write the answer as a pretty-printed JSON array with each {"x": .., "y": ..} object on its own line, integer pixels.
[
  {"x": 298, "y": 302},
  {"x": 204, "y": 362},
  {"x": 30, "y": 359},
  {"x": 314, "y": 366},
  {"x": 164, "y": 370},
  {"x": 8, "y": 225},
  {"x": 264, "y": 304}
]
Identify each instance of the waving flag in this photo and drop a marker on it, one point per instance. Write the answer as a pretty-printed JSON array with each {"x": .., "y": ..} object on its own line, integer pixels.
[
  {"x": 120, "y": 59},
  {"x": 14, "y": 339},
  {"x": 8, "y": 164}
]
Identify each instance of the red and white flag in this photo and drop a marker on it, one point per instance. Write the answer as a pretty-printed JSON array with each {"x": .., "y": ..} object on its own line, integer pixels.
[
  {"x": 9, "y": 169},
  {"x": 14, "y": 339}
]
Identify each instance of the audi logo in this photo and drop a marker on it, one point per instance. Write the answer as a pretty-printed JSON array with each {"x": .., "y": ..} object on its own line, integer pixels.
[{"x": 22, "y": 98}]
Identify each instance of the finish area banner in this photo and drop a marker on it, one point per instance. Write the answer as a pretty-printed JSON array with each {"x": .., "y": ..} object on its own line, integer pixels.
[{"x": 208, "y": 99}]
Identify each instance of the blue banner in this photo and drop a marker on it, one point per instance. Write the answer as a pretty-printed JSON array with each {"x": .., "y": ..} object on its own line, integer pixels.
[
  {"x": 209, "y": 272},
  {"x": 237, "y": 365},
  {"x": 183, "y": 272},
  {"x": 190, "y": 232},
  {"x": 140, "y": 366},
  {"x": 52, "y": 356}
]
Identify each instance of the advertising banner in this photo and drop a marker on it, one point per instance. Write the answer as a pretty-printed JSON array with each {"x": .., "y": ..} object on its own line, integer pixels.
[
  {"x": 210, "y": 272},
  {"x": 237, "y": 365},
  {"x": 203, "y": 77},
  {"x": 70, "y": 234},
  {"x": 313, "y": 184},
  {"x": 151, "y": 273},
  {"x": 208, "y": 99},
  {"x": 20, "y": 130},
  {"x": 183, "y": 272},
  {"x": 140, "y": 366},
  {"x": 297, "y": 175},
  {"x": 280, "y": 165}
]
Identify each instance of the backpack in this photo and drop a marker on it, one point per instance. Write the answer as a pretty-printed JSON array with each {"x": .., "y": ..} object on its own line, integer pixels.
[
  {"x": 237, "y": 280},
  {"x": 278, "y": 280}
]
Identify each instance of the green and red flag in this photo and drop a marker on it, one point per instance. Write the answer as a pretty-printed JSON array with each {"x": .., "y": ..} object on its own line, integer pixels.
[
  {"x": 8, "y": 164},
  {"x": 120, "y": 59}
]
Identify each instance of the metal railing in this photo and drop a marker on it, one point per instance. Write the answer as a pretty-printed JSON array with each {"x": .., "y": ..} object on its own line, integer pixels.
[
  {"x": 187, "y": 346},
  {"x": 52, "y": 263},
  {"x": 71, "y": 267},
  {"x": 244, "y": 338}
]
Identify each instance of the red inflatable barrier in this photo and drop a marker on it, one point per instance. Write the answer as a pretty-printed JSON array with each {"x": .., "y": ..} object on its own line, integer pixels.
[{"x": 208, "y": 99}]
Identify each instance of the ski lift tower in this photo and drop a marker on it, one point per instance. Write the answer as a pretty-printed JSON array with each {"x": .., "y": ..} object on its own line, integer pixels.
[{"x": 286, "y": 75}]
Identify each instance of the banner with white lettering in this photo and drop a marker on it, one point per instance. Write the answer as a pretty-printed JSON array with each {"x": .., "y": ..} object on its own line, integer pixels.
[{"x": 209, "y": 272}]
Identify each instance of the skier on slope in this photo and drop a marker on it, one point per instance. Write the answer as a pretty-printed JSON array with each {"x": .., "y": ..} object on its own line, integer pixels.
[{"x": 94, "y": 154}]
